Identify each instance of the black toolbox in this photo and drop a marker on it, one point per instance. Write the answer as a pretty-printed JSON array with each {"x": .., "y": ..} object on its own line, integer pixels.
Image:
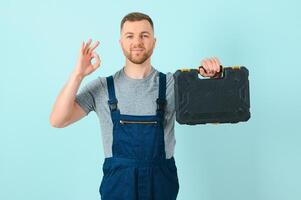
[{"x": 217, "y": 100}]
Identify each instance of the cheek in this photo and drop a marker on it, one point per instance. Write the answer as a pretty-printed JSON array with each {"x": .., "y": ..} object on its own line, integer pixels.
[
  {"x": 125, "y": 45},
  {"x": 149, "y": 44}
]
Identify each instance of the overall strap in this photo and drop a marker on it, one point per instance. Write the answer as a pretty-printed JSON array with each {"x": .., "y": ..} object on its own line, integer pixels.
[
  {"x": 112, "y": 98},
  {"x": 161, "y": 101}
]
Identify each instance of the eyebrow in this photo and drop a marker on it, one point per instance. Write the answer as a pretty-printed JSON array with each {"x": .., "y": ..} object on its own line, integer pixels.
[{"x": 141, "y": 32}]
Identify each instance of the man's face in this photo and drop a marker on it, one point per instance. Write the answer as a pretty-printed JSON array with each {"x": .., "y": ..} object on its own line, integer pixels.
[{"x": 137, "y": 41}]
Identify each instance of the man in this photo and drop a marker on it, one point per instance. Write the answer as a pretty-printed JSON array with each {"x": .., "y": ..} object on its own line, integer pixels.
[{"x": 136, "y": 112}]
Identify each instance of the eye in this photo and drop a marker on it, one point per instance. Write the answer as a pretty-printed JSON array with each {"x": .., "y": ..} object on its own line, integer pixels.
[
  {"x": 145, "y": 35},
  {"x": 130, "y": 36}
]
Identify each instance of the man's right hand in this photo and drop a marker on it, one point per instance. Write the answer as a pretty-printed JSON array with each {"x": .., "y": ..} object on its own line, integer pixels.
[{"x": 84, "y": 64}]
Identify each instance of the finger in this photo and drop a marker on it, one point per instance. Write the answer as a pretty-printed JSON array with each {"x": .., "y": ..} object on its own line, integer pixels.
[
  {"x": 218, "y": 65},
  {"x": 81, "y": 47},
  {"x": 203, "y": 62},
  {"x": 205, "y": 65},
  {"x": 97, "y": 61},
  {"x": 214, "y": 65},
  {"x": 93, "y": 47},
  {"x": 87, "y": 45},
  {"x": 216, "y": 60},
  {"x": 210, "y": 66}
]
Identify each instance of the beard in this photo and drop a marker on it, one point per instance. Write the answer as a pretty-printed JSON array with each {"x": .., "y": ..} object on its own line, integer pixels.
[{"x": 137, "y": 57}]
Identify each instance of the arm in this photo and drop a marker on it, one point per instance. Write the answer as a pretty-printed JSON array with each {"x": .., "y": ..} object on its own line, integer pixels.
[{"x": 65, "y": 110}]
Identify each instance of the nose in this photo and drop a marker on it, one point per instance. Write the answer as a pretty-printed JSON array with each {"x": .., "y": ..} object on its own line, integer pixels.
[{"x": 137, "y": 40}]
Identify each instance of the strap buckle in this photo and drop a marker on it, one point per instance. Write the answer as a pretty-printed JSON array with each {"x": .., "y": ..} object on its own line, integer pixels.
[
  {"x": 161, "y": 104},
  {"x": 113, "y": 104}
]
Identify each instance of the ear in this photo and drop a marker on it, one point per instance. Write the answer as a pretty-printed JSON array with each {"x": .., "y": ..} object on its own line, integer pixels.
[{"x": 155, "y": 40}]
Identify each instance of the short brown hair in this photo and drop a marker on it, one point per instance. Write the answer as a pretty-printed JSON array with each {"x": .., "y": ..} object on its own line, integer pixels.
[{"x": 136, "y": 16}]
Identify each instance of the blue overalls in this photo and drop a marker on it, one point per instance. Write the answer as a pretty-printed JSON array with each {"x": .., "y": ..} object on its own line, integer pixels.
[{"x": 138, "y": 169}]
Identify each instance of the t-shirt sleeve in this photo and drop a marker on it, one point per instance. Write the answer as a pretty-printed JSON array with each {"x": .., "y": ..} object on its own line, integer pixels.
[
  {"x": 170, "y": 94},
  {"x": 86, "y": 97}
]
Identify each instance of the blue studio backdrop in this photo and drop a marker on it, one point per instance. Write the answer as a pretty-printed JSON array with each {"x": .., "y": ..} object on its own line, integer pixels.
[{"x": 255, "y": 160}]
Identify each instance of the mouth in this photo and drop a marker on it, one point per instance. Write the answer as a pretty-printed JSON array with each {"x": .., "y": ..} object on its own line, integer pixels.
[{"x": 137, "y": 50}]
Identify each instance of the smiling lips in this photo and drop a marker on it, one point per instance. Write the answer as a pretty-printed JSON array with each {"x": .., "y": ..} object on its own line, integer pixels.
[{"x": 137, "y": 50}]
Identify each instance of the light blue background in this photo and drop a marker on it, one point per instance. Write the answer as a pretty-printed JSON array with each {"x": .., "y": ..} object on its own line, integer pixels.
[{"x": 256, "y": 160}]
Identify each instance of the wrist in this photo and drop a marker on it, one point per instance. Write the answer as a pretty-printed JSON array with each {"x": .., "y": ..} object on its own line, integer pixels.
[{"x": 77, "y": 76}]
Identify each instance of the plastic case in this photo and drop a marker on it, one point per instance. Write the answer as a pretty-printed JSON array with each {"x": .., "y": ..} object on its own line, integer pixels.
[{"x": 218, "y": 100}]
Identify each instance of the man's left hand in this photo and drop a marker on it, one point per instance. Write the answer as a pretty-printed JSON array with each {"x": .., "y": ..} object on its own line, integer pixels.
[{"x": 211, "y": 67}]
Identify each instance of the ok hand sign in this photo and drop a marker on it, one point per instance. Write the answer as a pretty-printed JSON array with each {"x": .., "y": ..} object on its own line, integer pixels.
[{"x": 84, "y": 65}]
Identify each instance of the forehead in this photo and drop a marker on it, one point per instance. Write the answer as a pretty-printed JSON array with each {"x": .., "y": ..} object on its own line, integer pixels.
[{"x": 136, "y": 27}]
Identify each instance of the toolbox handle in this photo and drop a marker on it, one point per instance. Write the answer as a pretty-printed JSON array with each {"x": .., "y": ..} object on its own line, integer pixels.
[{"x": 216, "y": 75}]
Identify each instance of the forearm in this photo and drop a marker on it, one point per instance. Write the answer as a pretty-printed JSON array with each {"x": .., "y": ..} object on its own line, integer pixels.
[{"x": 64, "y": 103}]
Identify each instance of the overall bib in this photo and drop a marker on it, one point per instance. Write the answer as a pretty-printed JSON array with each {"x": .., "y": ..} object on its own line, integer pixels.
[{"x": 138, "y": 169}]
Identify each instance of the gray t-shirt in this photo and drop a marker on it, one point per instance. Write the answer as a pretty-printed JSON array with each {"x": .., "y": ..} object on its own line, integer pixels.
[{"x": 135, "y": 97}]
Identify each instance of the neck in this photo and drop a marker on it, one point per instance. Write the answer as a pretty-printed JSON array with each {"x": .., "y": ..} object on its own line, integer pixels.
[{"x": 137, "y": 71}]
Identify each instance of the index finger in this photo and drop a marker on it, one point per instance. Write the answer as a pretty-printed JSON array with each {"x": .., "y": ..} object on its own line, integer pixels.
[{"x": 93, "y": 47}]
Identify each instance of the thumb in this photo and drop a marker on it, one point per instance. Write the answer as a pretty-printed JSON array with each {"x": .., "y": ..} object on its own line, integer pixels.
[{"x": 202, "y": 71}]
